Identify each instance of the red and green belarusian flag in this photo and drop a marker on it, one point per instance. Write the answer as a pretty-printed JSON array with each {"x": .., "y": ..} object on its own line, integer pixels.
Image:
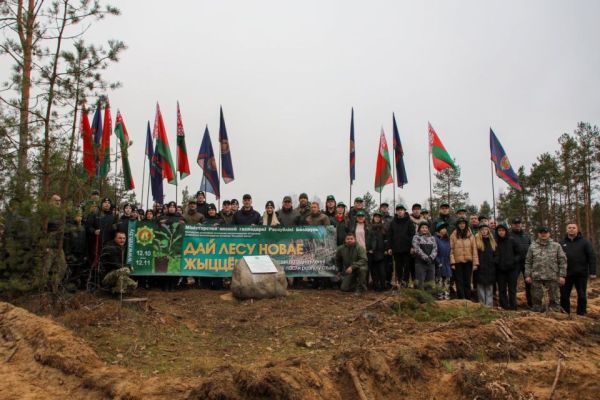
[
  {"x": 89, "y": 162},
  {"x": 183, "y": 165},
  {"x": 123, "y": 136},
  {"x": 162, "y": 148},
  {"x": 440, "y": 157},
  {"x": 104, "y": 153},
  {"x": 383, "y": 172}
]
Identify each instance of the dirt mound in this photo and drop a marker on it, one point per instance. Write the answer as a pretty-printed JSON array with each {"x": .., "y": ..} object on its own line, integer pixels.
[
  {"x": 308, "y": 345},
  {"x": 45, "y": 360}
]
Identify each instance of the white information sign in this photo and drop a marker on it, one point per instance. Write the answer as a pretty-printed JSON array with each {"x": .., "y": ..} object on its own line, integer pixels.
[{"x": 260, "y": 264}]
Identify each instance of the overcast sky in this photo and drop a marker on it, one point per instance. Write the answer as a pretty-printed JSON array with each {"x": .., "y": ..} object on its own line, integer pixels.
[{"x": 288, "y": 73}]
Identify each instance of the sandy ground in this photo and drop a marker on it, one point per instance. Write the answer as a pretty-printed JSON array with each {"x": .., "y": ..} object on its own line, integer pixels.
[{"x": 200, "y": 344}]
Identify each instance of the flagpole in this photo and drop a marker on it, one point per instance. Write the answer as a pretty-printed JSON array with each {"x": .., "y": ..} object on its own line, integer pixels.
[
  {"x": 177, "y": 167},
  {"x": 149, "y": 184},
  {"x": 220, "y": 167},
  {"x": 393, "y": 175},
  {"x": 143, "y": 179},
  {"x": 430, "y": 187},
  {"x": 116, "y": 165},
  {"x": 493, "y": 190}
]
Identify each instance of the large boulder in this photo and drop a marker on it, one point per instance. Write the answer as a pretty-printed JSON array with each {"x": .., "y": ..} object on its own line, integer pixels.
[{"x": 246, "y": 285}]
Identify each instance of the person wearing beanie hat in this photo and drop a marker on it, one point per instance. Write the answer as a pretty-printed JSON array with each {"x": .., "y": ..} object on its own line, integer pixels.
[
  {"x": 201, "y": 205},
  {"x": 303, "y": 208},
  {"x": 507, "y": 268},
  {"x": 443, "y": 271},
  {"x": 399, "y": 244},
  {"x": 269, "y": 217},
  {"x": 425, "y": 249},
  {"x": 235, "y": 205},
  {"x": 171, "y": 217},
  {"x": 212, "y": 217},
  {"x": 287, "y": 215}
]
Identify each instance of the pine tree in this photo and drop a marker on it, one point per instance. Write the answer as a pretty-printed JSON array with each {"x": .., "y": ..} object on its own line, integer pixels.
[{"x": 447, "y": 188}]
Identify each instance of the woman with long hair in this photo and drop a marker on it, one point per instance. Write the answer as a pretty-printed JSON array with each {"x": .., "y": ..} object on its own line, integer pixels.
[
  {"x": 486, "y": 276},
  {"x": 463, "y": 257}
]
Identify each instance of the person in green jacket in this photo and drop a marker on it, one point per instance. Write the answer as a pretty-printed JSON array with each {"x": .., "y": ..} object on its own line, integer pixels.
[
  {"x": 545, "y": 269},
  {"x": 351, "y": 262}
]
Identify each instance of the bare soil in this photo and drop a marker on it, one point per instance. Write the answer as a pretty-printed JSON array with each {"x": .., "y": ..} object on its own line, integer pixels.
[{"x": 200, "y": 344}]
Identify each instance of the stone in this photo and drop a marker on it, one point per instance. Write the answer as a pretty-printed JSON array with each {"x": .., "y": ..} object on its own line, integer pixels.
[{"x": 246, "y": 285}]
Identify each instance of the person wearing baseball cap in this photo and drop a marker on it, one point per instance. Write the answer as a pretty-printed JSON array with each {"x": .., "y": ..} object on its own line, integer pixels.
[
  {"x": 359, "y": 204},
  {"x": 201, "y": 205},
  {"x": 400, "y": 235},
  {"x": 226, "y": 213},
  {"x": 246, "y": 215},
  {"x": 523, "y": 239},
  {"x": 444, "y": 216},
  {"x": 287, "y": 215},
  {"x": 330, "y": 206},
  {"x": 545, "y": 270}
]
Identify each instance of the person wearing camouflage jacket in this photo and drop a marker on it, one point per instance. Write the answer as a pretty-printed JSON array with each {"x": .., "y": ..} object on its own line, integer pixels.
[
  {"x": 545, "y": 268},
  {"x": 351, "y": 262}
]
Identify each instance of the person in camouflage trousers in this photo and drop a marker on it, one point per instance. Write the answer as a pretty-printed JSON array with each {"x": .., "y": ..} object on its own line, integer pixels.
[
  {"x": 351, "y": 262},
  {"x": 545, "y": 269},
  {"x": 113, "y": 262}
]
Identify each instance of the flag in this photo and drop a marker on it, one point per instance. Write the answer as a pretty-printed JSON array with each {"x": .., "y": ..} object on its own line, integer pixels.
[
  {"x": 121, "y": 132},
  {"x": 206, "y": 161},
  {"x": 401, "y": 177},
  {"x": 439, "y": 155},
  {"x": 149, "y": 144},
  {"x": 226, "y": 164},
  {"x": 503, "y": 168},
  {"x": 97, "y": 135},
  {"x": 162, "y": 147},
  {"x": 182, "y": 159},
  {"x": 383, "y": 171},
  {"x": 104, "y": 154},
  {"x": 352, "y": 153},
  {"x": 156, "y": 175},
  {"x": 89, "y": 162}
]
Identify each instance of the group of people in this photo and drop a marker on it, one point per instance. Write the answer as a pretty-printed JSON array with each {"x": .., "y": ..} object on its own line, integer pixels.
[{"x": 466, "y": 257}]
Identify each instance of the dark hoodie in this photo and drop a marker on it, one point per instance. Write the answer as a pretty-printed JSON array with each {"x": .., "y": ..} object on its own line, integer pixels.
[{"x": 400, "y": 234}]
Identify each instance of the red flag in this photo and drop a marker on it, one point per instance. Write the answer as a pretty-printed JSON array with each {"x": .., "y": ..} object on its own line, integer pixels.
[
  {"x": 162, "y": 147},
  {"x": 182, "y": 159},
  {"x": 105, "y": 144},
  {"x": 383, "y": 171},
  {"x": 439, "y": 154},
  {"x": 89, "y": 162}
]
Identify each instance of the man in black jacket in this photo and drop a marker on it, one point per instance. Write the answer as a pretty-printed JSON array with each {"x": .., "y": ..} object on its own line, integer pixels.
[
  {"x": 400, "y": 235},
  {"x": 246, "y": 215},
  {"x": 524, "y": 241},
  {"x": 581, "y": 264}
]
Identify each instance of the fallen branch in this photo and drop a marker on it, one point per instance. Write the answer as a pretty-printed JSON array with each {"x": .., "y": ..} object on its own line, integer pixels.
[
  {"x": 355, "y": 380},
  {"x": 555, "y": 379},
  {"x": 11, "y": 355},
  {"x": 446, "y": 324}
]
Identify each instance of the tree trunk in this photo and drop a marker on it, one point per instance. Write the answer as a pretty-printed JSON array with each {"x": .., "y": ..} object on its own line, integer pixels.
[
  {"x": 25, "y": 31},
  {"x": 47, "y": 119}
]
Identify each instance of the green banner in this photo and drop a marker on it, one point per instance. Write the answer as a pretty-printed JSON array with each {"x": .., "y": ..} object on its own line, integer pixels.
[{"x": 204, "y": 250}]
